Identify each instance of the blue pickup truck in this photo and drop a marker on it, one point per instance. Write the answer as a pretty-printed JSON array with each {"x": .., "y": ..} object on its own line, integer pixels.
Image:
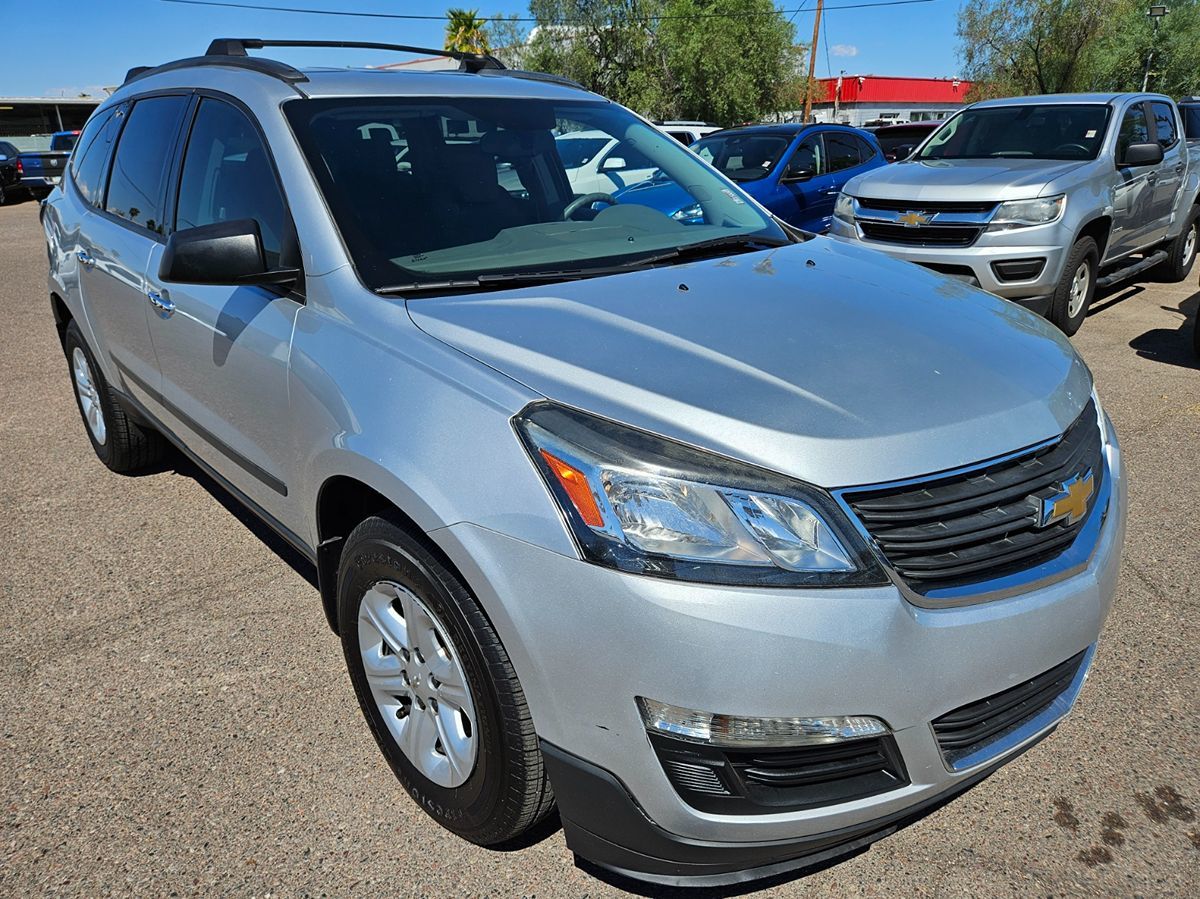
[
  {"x": 795, "y": 171},
  {"x": 43, "y": 169}
]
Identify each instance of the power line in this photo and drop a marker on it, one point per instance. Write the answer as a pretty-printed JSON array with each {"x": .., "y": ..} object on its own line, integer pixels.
[{"x": 411, "y": 17}]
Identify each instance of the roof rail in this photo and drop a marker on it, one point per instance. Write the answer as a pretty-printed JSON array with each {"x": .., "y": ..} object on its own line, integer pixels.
[
  {"x": 270, "y": 67},
  {"x": 237, "y": 46}
]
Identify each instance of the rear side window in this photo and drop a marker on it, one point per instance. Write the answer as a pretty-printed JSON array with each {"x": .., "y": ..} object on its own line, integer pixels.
[
  {"x": 1164, "y": 124},
  {"x": 842, "y": 151},
  {"x": 227, "y": 176},
  {"x": 89, "y": 163},
  {"x": 139, "y": 170}
]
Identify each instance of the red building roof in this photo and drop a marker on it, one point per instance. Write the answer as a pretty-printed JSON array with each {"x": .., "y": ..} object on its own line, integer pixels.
[{"x": 888, "y": 89}]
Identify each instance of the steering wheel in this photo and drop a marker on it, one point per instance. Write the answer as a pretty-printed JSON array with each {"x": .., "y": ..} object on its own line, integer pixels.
[
  {"x": 587, "y": 200},
  {"x": 1074, "y": 148}
]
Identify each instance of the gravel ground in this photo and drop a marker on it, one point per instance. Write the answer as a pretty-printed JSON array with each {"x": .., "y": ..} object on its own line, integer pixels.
[{"x": 176, "y": 718}]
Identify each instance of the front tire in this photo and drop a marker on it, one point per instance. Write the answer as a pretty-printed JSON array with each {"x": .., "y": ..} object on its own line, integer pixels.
[
  {"x": 119, "y": 442},
  {"x": 1076, "y": 286},
  {"x": 437, "y": 688},
  {"x": 1181, "y": 252}
]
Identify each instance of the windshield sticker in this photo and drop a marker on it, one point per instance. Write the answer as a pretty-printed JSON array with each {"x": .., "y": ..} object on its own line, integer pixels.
[
  {"x": 733, "y": 196},
  {"x": 1091, "y": 133}
]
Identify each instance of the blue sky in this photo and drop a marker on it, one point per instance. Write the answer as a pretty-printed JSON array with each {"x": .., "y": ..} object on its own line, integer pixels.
[{"x": 82, "y": 46}]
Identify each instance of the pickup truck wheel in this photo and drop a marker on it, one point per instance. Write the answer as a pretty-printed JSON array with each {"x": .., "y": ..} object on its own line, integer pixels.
[
  {"x": 1181, "y": 252},
  {"x": 437, "y": 688},
  {"x": 1076, "y": 286},
  {"x": 119, "y": 442}
]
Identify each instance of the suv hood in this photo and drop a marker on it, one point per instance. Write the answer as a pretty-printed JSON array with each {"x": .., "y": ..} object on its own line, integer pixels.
[
  {"x": 824, "y": 361},
  {"x": 965, "y": 180}
]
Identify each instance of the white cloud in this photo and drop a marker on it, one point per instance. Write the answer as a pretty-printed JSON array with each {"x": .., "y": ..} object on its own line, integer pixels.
[{"x": 844, "y": 50}]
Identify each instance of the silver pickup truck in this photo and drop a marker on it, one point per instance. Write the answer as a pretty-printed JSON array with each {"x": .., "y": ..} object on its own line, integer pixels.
[{"x": 1039, "y": 199}]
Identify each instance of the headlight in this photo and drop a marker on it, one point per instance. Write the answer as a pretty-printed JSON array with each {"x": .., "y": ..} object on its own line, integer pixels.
[
  {"x": 689, "y": 214},
  {"x": 843, "y": 208},
  {"x": 644, "y": 504},
  {"x": 1025, "y": 213}
]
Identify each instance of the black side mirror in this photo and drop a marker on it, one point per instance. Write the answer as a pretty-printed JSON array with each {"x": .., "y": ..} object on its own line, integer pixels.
[
  {"x": 796, "y": 175},
  {"x": 222, "y": 253},
  {"x": 1142, "y": 154}
]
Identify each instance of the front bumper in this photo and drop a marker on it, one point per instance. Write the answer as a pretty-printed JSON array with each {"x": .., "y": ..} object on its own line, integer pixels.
[
  {"x": 975, "y": 262},
  {"x": 586, "y": 640}
]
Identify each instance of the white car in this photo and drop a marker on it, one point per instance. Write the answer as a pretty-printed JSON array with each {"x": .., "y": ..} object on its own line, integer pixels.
[
  {"x": 598, "y": 163},
  {"x": 687, "y": 133}
]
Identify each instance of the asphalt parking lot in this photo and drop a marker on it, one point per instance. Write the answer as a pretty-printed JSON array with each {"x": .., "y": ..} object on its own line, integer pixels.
[{"x": 176, "y": 718}]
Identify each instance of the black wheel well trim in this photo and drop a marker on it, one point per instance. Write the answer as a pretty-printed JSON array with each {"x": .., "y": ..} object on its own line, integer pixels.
[
  {"x": 62, "y": 314},
  {"x": 1098, "y": 229},
  {"x": 343, "y": 503}
]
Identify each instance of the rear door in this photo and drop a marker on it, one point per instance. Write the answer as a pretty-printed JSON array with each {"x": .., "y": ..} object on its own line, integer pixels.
[
  {"x": 224, "y": 351},
  {"x": 116, "y": 240},
  {"x": 1168, "y": 180}
]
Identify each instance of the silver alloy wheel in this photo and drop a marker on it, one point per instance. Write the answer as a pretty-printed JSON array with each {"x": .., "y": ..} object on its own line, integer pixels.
[
  {"x": 1189, "y": 245},
  {"x": 418, "y": 683},
  {"x": 89, "y": 396},
  {"x": 1079, "y": 288}
]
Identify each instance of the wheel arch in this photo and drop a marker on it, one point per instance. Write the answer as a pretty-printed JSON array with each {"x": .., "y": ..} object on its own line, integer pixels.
[
  {"x": 62, "y": 315},
  {"x": 1099, "y": 229}
]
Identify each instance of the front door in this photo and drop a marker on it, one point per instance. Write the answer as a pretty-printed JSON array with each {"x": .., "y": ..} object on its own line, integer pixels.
[
  {"x": 224, "y": 351},
  {"x": 807, "y": 189}
]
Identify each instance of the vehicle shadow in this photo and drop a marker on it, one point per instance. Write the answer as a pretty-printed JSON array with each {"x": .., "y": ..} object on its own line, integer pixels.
[
  {"x": 1174, "y": 347},
  {"x": 1107, "y": 298}
]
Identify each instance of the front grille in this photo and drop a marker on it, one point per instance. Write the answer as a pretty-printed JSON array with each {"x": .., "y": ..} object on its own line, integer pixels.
[
  {"x": 984, "y": 523},
  {"x": 924, "y": 206},
  {"x": 974, "y": 726},
  {"x": 735, "y": 782},
  {"x": 921, "y": 236}
]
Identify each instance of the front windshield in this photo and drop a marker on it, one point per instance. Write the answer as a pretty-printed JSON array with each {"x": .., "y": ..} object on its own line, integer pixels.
[
  {"x": 1034, "y": 131},
  {"x": 483, "y": 188},
  {"x": 742, "y": 157}
]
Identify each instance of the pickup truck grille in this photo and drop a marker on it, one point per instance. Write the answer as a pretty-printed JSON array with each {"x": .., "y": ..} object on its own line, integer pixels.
[
  {"x": 921, "y": 236},
  {"x": 987, "y": 522},
  {"x": 867, "y": 203}
]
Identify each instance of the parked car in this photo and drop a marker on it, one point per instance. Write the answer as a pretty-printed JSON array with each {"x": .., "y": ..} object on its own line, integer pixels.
[
  {"x": 596, "y": 162},
  {"x": 10, "y": 172},
  {"x": 43, "y": 169},
  {"x": 899, "y": 141},
  {"x": 687, "y": 133},
  {"x": 1189, "y": 109},
  {"x": 795, "y": 171},
  {"x": 743, "y": 547},
  {"x": 1040, "y": 199}
]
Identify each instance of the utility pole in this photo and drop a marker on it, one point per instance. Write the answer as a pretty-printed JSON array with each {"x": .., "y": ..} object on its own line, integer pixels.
[
  {"x": 812, "y": 62},
  {"x": 1155, "y": 13}
]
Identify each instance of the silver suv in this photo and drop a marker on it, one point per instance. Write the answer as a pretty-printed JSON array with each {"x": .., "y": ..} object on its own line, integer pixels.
[{"x": 743, "y": 547}]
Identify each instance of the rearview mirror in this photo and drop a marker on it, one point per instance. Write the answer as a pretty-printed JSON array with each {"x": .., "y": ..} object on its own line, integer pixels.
[
  {"x": 1142, "y": 154},
  {"x": 222, "y": 253},
  {"x": 612, "y": 163}
]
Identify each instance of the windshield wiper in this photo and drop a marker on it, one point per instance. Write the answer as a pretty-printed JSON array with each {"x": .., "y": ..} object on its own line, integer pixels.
[{"x": 709, "y": 248}]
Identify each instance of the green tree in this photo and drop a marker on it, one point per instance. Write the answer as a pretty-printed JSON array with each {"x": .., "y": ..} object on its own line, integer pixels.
[{"x": 465, "y": 31}]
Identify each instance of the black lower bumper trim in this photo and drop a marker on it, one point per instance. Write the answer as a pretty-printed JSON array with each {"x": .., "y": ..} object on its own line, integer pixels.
[
  {"x": 604, "y": 825},
  {"x": 1040, "y": 305}
]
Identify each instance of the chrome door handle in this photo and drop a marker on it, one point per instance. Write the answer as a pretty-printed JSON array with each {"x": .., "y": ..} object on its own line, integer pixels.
[
  {"x": 163, "y": 306},
  {"x": 85, "y": 258}
]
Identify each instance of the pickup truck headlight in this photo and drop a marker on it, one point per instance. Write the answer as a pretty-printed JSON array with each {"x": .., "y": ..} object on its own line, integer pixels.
[
  {"x": 1026, "y": 213},
  {"x": 843, "y": 208},
  {"x": 647, "y": 505}
]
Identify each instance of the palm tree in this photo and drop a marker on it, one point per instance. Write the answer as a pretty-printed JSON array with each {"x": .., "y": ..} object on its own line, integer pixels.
[{"x": 465, "y": 31}]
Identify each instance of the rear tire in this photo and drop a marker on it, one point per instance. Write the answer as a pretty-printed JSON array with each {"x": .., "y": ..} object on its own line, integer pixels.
[
  {"x": 119, "y": 442},
  {"x": 438, "y": 667},
  {"x": 1181, "y": 252},
  {"x": 3, "y": 195},
  {"x": 1076, "y": 286}
]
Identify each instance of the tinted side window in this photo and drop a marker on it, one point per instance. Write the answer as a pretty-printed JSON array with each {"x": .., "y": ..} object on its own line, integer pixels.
[
  {"x": 139, "y": 170},
  {"x": 7, "y": 150},
  {"x": 1134, "y": 129},
  {"x": 841, "y": 151},
  {"x": 809, "y": 159},
  {"x": 89, "y": 163},
  {"x": 865, "y": 150},
  {"x": 227, "y": 176},
  {"x": 1164, "y": 124}
]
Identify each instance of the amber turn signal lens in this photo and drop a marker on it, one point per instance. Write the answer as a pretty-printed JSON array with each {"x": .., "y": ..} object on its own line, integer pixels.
[{"x": 575, "y": 482}]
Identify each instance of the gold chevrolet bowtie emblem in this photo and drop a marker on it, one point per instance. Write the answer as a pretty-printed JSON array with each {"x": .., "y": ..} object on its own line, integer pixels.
[
  {"x": 1070, "y": 503},
  {"x": 915, "y": 219}
]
